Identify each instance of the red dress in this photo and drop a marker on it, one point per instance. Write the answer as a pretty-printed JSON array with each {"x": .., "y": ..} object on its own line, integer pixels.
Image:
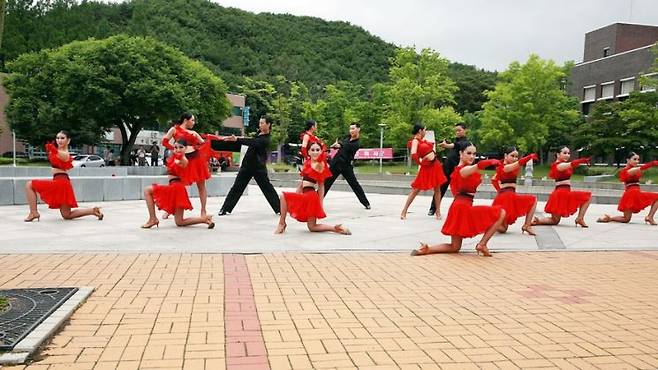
[
  {"x": 57, "y": 192},
  {"x": 563, "y": 201},
  {"x": 515, "y": 205},
  {"x": 173, "y": 196},
  {"x": 197, "y": 167},
  {"x": 634, "y": 199},
  {"x": 307, "y": 204},
  {"x": 430, "y": 175},
  {"x": 464, "y": 219}
]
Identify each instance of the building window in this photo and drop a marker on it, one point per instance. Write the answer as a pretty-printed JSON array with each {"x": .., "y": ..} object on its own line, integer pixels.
[
  {"x": 236, "y": 111},
  {"x": 608, "y": 90},
  {"x": 627, "y": 86},
  {"x": 606, "y": 52},
  {"x": 589, "y": 93},
  {"x": 649, "y": 82}
]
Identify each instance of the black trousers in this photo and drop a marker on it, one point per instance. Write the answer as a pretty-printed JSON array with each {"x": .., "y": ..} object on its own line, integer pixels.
[
  {"x": 245, "y": 175},
  {"x": 348, "y": 174},
  {"x": 448, "y": 169}
]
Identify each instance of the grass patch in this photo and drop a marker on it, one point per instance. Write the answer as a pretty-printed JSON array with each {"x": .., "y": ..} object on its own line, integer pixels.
[
  {"x": 4, "y": 304},
  {"x": 24, "y": 162}
]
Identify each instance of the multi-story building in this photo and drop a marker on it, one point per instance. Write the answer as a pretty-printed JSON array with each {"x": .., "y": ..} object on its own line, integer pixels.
[{"x": 615, "y": 59}]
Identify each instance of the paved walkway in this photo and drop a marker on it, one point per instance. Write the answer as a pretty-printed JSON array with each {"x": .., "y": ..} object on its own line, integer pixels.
[
  {"x": 250, "y": 230},
  {"x": 344, "y": 311},
  {"x": 173, "y": 298}
]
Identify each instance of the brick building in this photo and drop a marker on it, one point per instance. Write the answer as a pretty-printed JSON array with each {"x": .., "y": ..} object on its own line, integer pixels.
[{"x": 614, "y": 59}]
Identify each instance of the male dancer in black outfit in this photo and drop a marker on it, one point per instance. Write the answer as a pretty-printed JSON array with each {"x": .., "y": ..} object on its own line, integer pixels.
[
  {"x": 451, "y": 161},
  {"x": 341, "y": 163},
  {"x": 253, "y": 165}
]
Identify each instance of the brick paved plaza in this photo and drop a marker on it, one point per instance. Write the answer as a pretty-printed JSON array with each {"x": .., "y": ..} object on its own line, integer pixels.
[{"x": 290, "y": 309}]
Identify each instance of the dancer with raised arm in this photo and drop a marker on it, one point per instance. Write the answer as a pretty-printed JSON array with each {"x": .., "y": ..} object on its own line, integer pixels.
[
  {"x": 464, "y": 219},
  {"x": 253, "y": 166},
  {"x": 634, "y": 200},
  {"x": 173, "y": 198},
  {"x": 341, "y": 164},
  {"x": 514, "y": 204},
  {"x": 305, "y": 205},
  {"x": 197, "y": 153},
  {"x": 430, "y": 174},
  {"x": 58, "y": 192},
  {"x": 564, "y": 202}
]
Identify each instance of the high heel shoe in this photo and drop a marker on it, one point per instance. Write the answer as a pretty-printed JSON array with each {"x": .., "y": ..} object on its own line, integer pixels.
[
  {"x": 98, "y": 213},
  {"x": 527, "y": 229},
  {"x": 424, "y": 247},
  {"x": 650, "y": 221},
  {"x": 150, "y": 224},
  {"x": 581, "y": 223},
  {"x": 342, "y": 230},
  {"x": 211, "y": 225},
  {"x": 281, "y": 228},
  {"x": 31, "y": 218},
  {"x": 482, "y": 248},
  {"x": 604, "y": 219}
]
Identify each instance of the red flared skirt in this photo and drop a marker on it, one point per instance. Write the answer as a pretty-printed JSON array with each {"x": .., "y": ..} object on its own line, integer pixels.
[
  {"x": 565, "y": 202},
  {"x": 57, "y": 192},
  {"x": 171, "y": 197},
  {"x": 466, "y": 220},
  {"x": 635, "y": 200},
  {"x": 515, "y": 205},
  {"x": 198, "y": 168},
  {"x": 305, "y": 205},
  {"x": 429, "y": 177}
]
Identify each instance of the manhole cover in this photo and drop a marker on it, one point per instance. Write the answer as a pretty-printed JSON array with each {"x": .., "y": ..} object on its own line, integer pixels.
[{"x": 27, "y": 309}]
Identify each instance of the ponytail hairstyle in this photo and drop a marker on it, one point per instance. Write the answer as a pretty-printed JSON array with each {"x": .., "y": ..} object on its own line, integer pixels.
[
  {"x": 509, "y": 149},
  {"x": 462, "y": 145},
  {"x": 183, "y": 117},
  {"x": 630, "y": 155}
]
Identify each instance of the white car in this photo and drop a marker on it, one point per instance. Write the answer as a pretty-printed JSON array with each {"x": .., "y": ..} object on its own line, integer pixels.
[{"x": 88, "y": 161}]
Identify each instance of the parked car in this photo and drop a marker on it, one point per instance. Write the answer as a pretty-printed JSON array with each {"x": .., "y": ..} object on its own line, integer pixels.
[{"x": 88, "y": 161}]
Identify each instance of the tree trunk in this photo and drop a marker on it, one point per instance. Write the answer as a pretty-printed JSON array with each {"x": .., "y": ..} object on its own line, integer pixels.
[
  {"x": 279, "y": 151},
  {"x": 127, "y": 142}
]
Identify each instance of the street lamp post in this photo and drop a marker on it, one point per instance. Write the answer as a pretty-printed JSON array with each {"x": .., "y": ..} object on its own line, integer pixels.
[
  {"x": 13, "y": 143},
  {"x": 382, "y": 126}
]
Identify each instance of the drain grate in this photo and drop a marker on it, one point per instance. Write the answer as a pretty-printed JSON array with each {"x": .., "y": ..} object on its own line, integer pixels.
[{"x": 27, "y": 309}]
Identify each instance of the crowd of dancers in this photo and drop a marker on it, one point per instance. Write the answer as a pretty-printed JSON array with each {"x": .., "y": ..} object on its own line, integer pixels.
[{"x": 460, "y": 172}]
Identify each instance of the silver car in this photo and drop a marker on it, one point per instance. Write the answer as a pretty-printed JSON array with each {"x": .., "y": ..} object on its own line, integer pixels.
[{"x": 88, "y": 161}]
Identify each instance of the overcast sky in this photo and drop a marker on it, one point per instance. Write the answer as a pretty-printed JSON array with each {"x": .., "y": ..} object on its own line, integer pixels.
[{"x": 487, "y": 33}]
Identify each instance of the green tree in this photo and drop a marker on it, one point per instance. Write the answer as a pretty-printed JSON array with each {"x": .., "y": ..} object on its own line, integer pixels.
[
  {"x": 419, "y": 91},
  {"x": 528, "y": 106},
  {"x": 88, "y": 87},
  {"x": 472, "y": 83},
  {"x": 3, "y": 4}
]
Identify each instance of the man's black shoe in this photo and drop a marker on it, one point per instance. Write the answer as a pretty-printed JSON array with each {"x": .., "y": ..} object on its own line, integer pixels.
[
  {"x": 431, "y": 212},
  {"x": 223, "y": 213},
  {"x": 368, "y": 206},
  {"x": 278, "y": 213}
]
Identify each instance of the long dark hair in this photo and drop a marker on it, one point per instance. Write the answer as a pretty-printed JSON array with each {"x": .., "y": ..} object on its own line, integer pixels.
[
  {"x": 183, "y": 117},
  {"x": 417, "y": 127},
  {"x": 310, "y": 123}
]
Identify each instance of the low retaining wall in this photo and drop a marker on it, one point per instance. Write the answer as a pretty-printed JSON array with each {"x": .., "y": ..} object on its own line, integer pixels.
[{"x": 109, "y": 188}]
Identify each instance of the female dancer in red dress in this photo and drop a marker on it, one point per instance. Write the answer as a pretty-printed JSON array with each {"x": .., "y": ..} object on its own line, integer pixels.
[
  {"x": 515, "y": 205},
  {"x": 305, "y": 205},
  {"x": 634, "y": 200},
  {"x": 464, "y": 219},
  {"x": 307, "y": 137},
  {"x": 173, "y": 198},
  {"x": 430, "y": 175},
  {"x": 58, "y": 192},
  {"x": 564, "y": 202},
  {"x": 197, "y": 153}
]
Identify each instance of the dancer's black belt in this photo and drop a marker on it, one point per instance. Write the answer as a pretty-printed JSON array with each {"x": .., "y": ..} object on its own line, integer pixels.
[
  {"x": 509, "y": 188},
  {"x": 174, "y": 180},
  {"x": 563, "y": 186},
  {"x": 60, "y": 174}
]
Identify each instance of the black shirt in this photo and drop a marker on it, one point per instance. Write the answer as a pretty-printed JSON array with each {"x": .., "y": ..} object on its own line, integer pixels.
[
  {"x": 452, "y": 158},
  {"x": 257, "y": 153},
  {"x": 347, "y": 151}
]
